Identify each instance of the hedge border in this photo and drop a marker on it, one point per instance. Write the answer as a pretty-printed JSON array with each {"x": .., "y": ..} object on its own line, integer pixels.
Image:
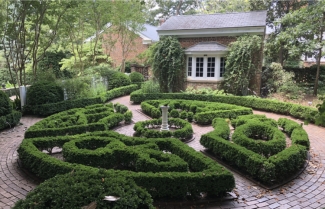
[
  {"x": 297, "y": 111},
  {"x": 10, "y": 119}
]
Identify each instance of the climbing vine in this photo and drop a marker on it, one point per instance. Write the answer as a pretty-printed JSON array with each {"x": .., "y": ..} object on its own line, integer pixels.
[
  {"x": 167, "y": 62},
  {"x": 240, "y": 63}
]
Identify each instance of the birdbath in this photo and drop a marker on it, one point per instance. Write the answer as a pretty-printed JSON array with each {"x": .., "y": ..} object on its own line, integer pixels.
[{"x": 164, "y": 124}]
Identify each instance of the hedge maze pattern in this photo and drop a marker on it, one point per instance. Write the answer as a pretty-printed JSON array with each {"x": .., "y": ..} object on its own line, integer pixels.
[
  {"x": 258, "y": 147},
  {"x": 88, "y": 146}
]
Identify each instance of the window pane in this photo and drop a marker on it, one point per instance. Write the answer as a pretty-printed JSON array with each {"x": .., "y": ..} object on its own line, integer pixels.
[
  {"x": 199, "y": 67},
  {"x": 222, "y": 66},
  {"x": 189, "y": 66},
  {"x": 211, "y": 66}
]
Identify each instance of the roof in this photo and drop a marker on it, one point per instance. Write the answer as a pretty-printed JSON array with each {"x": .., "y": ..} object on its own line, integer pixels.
[
  {"x": 213, "y": 21},
  {"x": 206, "y": 47},
  {"x": 150, "y": 32}
]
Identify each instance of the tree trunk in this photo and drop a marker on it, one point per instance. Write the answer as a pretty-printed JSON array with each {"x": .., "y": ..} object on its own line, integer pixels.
[{"x": 317, "y": 73}]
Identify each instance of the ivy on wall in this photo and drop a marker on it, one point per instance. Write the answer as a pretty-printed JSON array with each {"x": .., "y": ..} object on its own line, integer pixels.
[
  {"x": 240, "y": 63},
  {"x": 167, "y": 63}
]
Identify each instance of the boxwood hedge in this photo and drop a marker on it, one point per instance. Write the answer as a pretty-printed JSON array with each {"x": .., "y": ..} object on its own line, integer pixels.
[
  {"x": 297, "y": 111},
  {"x": 264, "y": 168}
]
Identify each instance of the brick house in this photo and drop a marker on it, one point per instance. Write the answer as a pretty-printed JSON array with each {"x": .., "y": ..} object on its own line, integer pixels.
[
  {"x": 205, "y": 39},
  {"x": 144, "y": 39}
]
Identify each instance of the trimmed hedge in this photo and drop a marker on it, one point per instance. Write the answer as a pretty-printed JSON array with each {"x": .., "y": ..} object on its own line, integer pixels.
[
  {"x": 76, "y": 121},
  {"x": 274, "y": 168},
  {"x": 5, "y": 105},
  {"x": 202, "y": 175},
  {"x": 243, "y": 119},
  {"x": 297, "y": 111},
  {"x": 204, "y": 112},
  {"x": 90, "y": 186},
  {"x": 270, "y": 140},
  {"x": 50, "y": 109},
  {"x": 145, "y": 129},
  {"x": 117, "y": 80}
]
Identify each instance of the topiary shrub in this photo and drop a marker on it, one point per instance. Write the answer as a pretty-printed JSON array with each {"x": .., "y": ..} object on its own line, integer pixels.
[
  {"x": 117, "y": 80},
  {"x": 5, "y": 105},
  {"x": 136, "y": 77},
  {"x": 44, "y": 93}
]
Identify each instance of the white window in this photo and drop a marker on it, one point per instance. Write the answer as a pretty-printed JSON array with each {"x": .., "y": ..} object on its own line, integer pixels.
[{"x": 206, "y": 67}]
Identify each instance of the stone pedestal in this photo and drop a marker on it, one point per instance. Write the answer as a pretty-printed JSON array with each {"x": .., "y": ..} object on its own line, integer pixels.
[
  {"x": 22, "y": 91},
  {"x": 164, "y": 124}
]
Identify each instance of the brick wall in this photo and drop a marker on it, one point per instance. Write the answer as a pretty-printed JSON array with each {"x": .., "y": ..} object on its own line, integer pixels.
[
  {"x": 225, "y": 40},
  {"x": 115, "y": 52}
]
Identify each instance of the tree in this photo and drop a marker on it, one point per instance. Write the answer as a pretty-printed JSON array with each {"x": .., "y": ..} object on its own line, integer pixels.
[
  {"x": 167, "y": 63},
  {"x": 276, "y": 10},
  {"x": 127, "y": 19},
  {"x": 165, "y": 9},
  {"x": 240, "y": 66},
  {"x": 29, "y": 29},
  {"x": 304, "y": 33},
  {"x": 221, "y": 6}
]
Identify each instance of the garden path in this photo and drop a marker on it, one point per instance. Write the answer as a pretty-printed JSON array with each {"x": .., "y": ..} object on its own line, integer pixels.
[{"x": 306, "y": 191}]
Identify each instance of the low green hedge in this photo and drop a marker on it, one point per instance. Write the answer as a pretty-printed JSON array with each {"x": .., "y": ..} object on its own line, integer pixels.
[
  {"x": 204, "y": 112},
  {"x": 274, "y": 168},
  {"x": 76, "y": 121},
  {"x": 297, "y": 111},
  {"x": 91, "y": 187},
  {"x": 297, "y": 134},
  {"x": 241, "y": 120},
  {"x": 268, "y": 140},
  {"x": 202, "y": 174},
  {"x": 146, "y": 129},
  {"x": 10, "y": 119},
  {"x": 52, "y": 108}
]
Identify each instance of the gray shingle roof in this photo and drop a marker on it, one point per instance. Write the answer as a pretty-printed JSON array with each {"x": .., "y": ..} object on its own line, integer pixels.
[
  {"x": 206, "y": 47},
  {"x": 150, "y": 32},
  {"x": 219, "y": 20}
]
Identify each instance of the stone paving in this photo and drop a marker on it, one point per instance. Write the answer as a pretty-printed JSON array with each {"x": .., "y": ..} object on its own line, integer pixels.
[{"x": 306, "y": 191}]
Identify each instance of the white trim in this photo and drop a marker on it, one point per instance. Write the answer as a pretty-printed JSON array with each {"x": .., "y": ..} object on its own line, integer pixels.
[
  {"x": 212, "y": 32},
  {"x": 193, "y": 77}
]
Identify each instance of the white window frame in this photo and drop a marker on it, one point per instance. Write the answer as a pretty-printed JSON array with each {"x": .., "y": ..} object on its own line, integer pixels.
[{"x": 205, "y": 67}]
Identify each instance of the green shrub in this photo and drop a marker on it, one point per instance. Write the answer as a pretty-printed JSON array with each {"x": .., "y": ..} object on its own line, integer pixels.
[
  {"x": 5, "y": 105},
  {"x": 8, "y": 116},
  {"x": 80, "y": 188},
  {"x": 183, "y": 115},
  {"x": 320, "y": 120},
  {"x": 136, "y": 77},
  {"x": 174, "y": 113},
  {"x": 190, "y": 116},
  {"x": 117, "y": 80},
  {"x": 44, "y": 93},
  {"x": 150, "y": 87},
  {"x": 128, "y": 116}
]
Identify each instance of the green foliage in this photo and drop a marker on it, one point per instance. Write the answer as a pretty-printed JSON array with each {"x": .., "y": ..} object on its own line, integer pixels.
[
  {"x": 275, "y": 168},
  {"x": 168, "y": 61},
  {"x": 44, "y": 93},
  {"x": 150, "y": 87},
  {"x": 320, "y": 120},
  {"x": 174, "y": 113},
  {"x": 136, "y": 77},
  {"x": 80, "y": 188},
  {"x": 306, "y": 113},
  {"x": 204, "y": 90},
  {"x": 86, "y": 150},
  {"x": 128, "y": 116},
  {"x": 50, "y": 63},
  {"x": 118, "y": 79},
  {"x": 5, "y": 105},
  {"x": 283, "y": 82},
  {"x": 117, "y": 92},
  {"x": 150, "y": 129},
  {"x": 240, "y": 64}
]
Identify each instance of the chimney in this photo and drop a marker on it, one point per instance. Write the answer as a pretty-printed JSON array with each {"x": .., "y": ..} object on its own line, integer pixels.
[{"x": 161, "y": 21}]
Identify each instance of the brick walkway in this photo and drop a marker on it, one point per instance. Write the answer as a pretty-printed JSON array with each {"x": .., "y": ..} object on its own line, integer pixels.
[{"x": 306, "y": 191}]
